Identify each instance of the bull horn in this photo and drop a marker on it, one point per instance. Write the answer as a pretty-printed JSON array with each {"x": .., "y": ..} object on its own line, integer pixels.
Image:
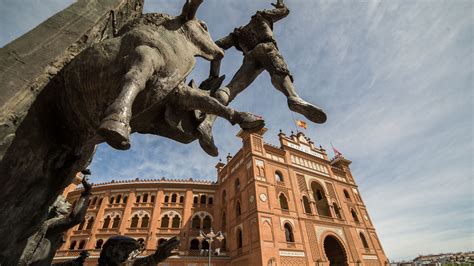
[
  {"x": 193, "y": 84},
  {"x": 190, "y": 8}
]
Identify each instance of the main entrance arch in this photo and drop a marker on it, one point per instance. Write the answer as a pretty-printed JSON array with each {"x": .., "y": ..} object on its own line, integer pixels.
[{"x": 334, "y": 251}]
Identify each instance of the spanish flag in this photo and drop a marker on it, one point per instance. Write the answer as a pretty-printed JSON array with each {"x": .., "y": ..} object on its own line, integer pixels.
[{"x": 302, "y": 124}]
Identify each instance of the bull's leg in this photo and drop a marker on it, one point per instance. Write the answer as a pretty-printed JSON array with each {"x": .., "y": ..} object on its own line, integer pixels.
[
  {"x": 246, "y": 74},
  {"x": 115, "y": 126},
  {"x": 192, "y": 99}
]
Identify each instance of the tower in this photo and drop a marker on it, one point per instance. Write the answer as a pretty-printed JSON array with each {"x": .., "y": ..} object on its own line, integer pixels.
[{"x": 293, "y": 205}]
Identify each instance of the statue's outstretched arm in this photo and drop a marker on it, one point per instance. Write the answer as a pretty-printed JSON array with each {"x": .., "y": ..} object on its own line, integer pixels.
[
  {"x": 280, "y": 12},
  {"x": 77, "y": 214},
  {"x": 79, "y": 211},
  {"x": 224, "y": 43}
]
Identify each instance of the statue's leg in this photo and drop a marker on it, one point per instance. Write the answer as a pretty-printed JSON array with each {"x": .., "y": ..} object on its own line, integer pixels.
[
  {"x": 115, "y": 128},
  {"x": 271, "y": 59},
  {"x": 246, "y": 74}
]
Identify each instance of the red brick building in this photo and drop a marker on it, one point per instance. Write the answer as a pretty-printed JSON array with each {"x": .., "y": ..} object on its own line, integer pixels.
[{"x": 276, "y": 205}]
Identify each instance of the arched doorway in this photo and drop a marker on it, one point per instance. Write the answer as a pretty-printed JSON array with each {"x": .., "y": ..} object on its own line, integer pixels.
[{"x": 334, "y": 252}]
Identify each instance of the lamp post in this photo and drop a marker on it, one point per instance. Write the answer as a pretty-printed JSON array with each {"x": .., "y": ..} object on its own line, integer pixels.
[{"x": 209, "y": 237}]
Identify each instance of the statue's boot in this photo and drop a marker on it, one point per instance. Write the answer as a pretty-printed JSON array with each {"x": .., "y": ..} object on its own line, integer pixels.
[
  {"x": 206, "y": 140},
  {"x": 248, "y": 122},
  {"x": 313, "y": 113},
  {"x": 115, "y": 132}
]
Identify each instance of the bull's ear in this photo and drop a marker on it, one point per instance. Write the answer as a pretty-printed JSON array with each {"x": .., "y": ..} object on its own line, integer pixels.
[{"x": 189, "y": 9}]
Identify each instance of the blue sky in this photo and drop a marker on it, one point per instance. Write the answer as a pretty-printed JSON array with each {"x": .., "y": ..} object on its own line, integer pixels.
[{"x": 394, "y": 77}]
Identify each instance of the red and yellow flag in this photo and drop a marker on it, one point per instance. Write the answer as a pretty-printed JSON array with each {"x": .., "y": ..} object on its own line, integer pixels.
[{"x": 302, "y": 124}]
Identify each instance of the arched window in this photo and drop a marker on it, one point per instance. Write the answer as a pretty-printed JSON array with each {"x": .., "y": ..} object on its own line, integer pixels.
[
  {"x": 176, "y": 222},
  {"x": 181, "y": 199},
  {"x": 116, "y": 222},
  {"x": 145, "y": 197},
  {"x": 94, "y": 201},
  {"x": 196, "y": 222},
  {"x": 167, "y": 198},
  {"x": 278, "y": 176},
  {"x": 224, "y": 196},
  {"x": 239, "y": 238},
  {"x": 99, "y": 243},
  {"x": 337, "y": 211},
  {"x": 203, "y": 199},
  {"x": 165, "y": 221},
  {"x": 354, "y": 216},
  {"x": 106, "y": 222},
  {"x": 195, "y": 200},
  {"x": 194, "y": 245},
  {"x": 306, "y": 205},
  {"x": 271, "y": 262},
  {"x": 363, "y": 240},
  {"x": 161, "y": 241},
  {"x": 81, "y": 225},
  {"x": 174, "y": 198},
  {"x": 112, "y": 200},
  {"x": 289, "y": 233},
  {"x": 125, "y": 198},
  {"x": 117, "y": 200},
  {"x": 283, "y": 202},
  {"x": 206, "y": 224},
  {"x": 346, "y": 195},
  {"x": 152, "y": 198},
  {"x": 238, "y": 212},
  {"x": 224, "y": 221},
  {"x": 81, "y": 244},
  {"x": 100, "y": 202},
  {"x": 145, "y": 221},
  {"x": 205, "y": 245},
  {"x": 90, "y": 223},
  {"x": 134, "y": 223},
  {"x": 237, "y": 185},
  {"x": 322, "y": 205},
  {"x": 138, "y": 199},
  {"x": 210, "y": 201},
  {"x": 72, "y": 245},
  {"x": 224, "y": 245}
]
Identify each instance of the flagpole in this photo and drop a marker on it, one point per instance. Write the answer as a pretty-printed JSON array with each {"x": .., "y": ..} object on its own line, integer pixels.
[{"x": 294, "y": 121}]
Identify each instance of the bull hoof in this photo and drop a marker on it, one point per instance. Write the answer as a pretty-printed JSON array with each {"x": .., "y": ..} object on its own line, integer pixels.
[
  {"x": 251, "y": 123},
  {"x": 313, "y": 113},
  {"x": 206, "y": 141},
  {"x": 116, "y": 134}
]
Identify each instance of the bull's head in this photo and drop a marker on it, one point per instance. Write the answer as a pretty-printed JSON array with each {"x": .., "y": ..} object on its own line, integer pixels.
[{"x": 196, "y": 31}]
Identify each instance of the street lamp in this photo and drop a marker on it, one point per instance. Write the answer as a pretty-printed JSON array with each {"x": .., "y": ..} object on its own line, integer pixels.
[{"x": 209, "y": 237}]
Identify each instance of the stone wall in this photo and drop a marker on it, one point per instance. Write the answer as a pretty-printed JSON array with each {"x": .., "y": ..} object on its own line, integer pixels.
[
  {"x": 28, "y": 63},
  {"x": 38, "y": 160}
]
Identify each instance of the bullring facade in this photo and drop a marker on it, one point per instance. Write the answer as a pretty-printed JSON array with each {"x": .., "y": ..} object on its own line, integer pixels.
[{"x": 285, "y": 205}]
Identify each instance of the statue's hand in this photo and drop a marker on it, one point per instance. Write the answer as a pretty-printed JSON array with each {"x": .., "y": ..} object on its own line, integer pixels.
[
  {"x": 278, "y": 4},
  {"x": 165, "y": 249},
  {"x": 87, "y": 186}
]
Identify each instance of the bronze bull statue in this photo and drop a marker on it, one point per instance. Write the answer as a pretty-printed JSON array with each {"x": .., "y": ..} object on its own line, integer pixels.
[
  {"x": 134, "y": 82},
  {"x": 133, "y": 78}
]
